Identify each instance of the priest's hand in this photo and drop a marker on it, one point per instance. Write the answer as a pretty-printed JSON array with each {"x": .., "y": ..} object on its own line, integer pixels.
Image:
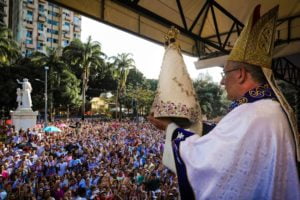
[{"x": 160, "y": 123}]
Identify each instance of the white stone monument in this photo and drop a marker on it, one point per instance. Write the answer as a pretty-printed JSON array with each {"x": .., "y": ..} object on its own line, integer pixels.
[{"x": 24, "y": 117}]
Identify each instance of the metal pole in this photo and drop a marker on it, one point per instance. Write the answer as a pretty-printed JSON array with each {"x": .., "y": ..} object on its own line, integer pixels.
[
  {"x": 137, "y": 112},
  {"x": 2, "y": 115},
  {"x": 68, "y": 112},
  {"x": 46, "y": 96}
]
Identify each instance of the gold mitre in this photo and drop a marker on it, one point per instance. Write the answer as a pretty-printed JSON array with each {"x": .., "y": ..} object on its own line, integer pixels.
[
  {"x": 175, "y": 96},
  {"x": 256, "y": 42}
]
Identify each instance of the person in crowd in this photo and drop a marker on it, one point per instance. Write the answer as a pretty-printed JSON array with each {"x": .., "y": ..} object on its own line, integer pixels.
[{"x": 97, "y": 163}]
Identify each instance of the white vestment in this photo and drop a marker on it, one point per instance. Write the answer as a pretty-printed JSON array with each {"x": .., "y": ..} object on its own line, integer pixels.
[{"x": 250, "y": 154}]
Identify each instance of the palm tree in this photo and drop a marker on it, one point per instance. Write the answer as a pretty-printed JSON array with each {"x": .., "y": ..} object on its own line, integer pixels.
[
  {"x": 9, "y": 50},
  {"x": 52, "y": 59},
  {"x": 122, "y": 64},
  {"x": 85, "y": 56}
]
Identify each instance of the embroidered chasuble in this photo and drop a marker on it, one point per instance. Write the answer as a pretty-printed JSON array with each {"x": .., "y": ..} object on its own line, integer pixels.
[{"x": 236, "y": 159}]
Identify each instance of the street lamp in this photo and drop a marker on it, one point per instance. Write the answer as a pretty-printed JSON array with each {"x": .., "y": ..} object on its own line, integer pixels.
[{"x": 46, "y": 95}]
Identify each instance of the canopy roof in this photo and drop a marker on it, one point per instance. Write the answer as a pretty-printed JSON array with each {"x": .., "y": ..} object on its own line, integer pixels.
[{"x": 208, "y": 28}]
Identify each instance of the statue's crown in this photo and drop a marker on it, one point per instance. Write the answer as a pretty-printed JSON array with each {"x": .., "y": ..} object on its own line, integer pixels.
[{"x": 171, "y": 36}]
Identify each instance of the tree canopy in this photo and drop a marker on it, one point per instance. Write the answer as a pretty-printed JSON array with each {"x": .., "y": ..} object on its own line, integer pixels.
[
  {"x": 86, "y": 57},
  {"x": 9, "y": 48},
  {"x": 81, "y": 71},
  {"x": 211, "y": 97}
]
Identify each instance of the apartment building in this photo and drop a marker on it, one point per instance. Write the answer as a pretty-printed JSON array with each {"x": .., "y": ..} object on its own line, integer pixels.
[
  {"x": 4, "y": 12},
  {"x": 37, "y": 24}
]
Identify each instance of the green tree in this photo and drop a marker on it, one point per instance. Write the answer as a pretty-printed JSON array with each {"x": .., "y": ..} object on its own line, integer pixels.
[
  {"x": 68, "y": 90},
  {"x": 122, "y": 63},
  {"x": 138, "y": 98},
  {"x": 100, "y": 81},
  {"x": 136, "y": 78},
  {"x": 8, "y": 87},
  {"x": 211, "y": 97},
  {"x": 52, "y": 59},
  {"x": 151, "y": 84},
  {"x": 9, "y": 49},
  {"x": 99, "y": 85},
  {"x": 86, "y": 56}
]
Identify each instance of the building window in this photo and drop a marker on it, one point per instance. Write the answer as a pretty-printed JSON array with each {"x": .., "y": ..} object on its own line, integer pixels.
[
  {"x": 41, "y": 8},
  {"x": 77, "y": 20},
  {"x": 54, "y": 14},
  {"x": 40, "y": 26},
  {"x": 28, "y": 52},
  {"x": 29, "y": 41},
  {"x": 30, "y": 1},
  {"x": 39, "y": 45},
  {"x": 52, "y": 31},
  {"x": 29, "y": 16},
  {"x": 66, "y": 13},
  {"x": 66, "y": 26},
  {"x": 29, "y": 22},
  {"x": 40, "y": 34},
  {"x": 52, "y": 5},
  {"x": 52, "y": 40},
  {"x": 76, "y": 35},
  {"x": 29, "y": 34},
  {"x": 55, "y": 23},
  {"x": 66, "y": 43}
]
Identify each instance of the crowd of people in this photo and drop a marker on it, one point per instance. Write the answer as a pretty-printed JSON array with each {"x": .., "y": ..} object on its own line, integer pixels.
[{"x": 92, "y": 160}]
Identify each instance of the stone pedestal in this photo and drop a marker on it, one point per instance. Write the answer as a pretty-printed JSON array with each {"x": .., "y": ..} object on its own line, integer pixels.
[{"x": 24, "y": 118}]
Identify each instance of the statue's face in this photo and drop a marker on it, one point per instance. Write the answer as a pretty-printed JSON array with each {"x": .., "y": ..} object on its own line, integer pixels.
[{"x": 25, "y": 79}]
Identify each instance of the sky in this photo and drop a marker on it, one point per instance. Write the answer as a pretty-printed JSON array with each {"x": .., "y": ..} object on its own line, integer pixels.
[{"x": 147, "y": 55}]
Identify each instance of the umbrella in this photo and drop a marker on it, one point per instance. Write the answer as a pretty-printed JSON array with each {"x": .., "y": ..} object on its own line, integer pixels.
[
  {"x": 51, "y": 129},
  {"x": 8, "y": 122}
]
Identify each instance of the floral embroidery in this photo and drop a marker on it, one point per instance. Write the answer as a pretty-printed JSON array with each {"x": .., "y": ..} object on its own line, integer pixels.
[
  {"x": 261, "y": 92},
  {"x": 243, "y": 100},
  {"x": 170, "y": 109}
]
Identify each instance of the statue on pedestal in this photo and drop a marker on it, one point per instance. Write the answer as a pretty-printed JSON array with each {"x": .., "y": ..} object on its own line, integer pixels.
[
  {"x": 25, "y": 94},
  {"x": 24, "y": 117}
]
